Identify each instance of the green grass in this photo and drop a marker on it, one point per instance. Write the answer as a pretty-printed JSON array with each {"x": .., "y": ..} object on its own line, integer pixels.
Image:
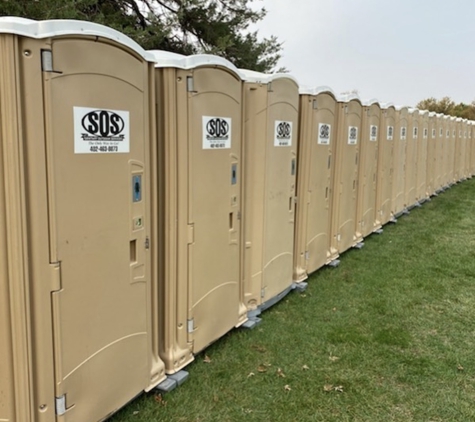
[{"x": 389, "y": 335}]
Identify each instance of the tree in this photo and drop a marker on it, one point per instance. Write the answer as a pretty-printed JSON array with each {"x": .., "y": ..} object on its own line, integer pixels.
[
  {"x": 447, "y": 106},
  {"x": 218, "y": 27}
]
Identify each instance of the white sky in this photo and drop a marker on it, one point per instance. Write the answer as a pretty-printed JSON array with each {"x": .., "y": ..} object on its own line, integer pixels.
[{"x": 399, "y": 51}]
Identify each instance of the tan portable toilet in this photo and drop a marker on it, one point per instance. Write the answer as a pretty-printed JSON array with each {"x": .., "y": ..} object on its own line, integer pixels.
[
  {"x": 439, "y": 151},
  {"x": 421, "y": 163},
  {"x": 453, "y": 150},
  {"x": 414, "y": 136},
  {"x": 431, "y": 155},
  {"x": 271, "y": 119},
  {"x": 465, "y": 151},
  {"x": 367, "y": 170},
  {"x": 317, "y": 144},
  {"x": 399, "y": 161},
  {"x": 345, "y": 181},
  {"x": 385, "y": 165},
  {"x": 76, "y": 330},
  {"x": 447, "y": 150},
  {"x": 471, "y": 140},
  {"x": 199, "y": 204},
  {"x": 458, "y": 137}
]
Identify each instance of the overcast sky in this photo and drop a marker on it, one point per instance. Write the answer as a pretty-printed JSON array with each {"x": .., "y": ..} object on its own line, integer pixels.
[{"x": 398, "y": 51}]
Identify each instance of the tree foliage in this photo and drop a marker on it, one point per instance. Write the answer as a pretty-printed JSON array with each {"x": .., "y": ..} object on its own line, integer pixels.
[
  {"x": 447, "y": 106},
  {"x": 218, "y": 27}
]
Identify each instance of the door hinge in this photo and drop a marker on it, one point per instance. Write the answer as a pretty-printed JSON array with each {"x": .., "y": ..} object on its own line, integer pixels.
[
  {"x": 306, "y": 255},
  {"x": 191, "y": 325},
  {"x": 263, "y": 292},
  {"x": 239, "y": 215},
  {"x": 61, "y": 405},
  {"x": 47, "y": 62},
  {"x": 55, "y": 276},
  {"x": 147, "y": 243}
]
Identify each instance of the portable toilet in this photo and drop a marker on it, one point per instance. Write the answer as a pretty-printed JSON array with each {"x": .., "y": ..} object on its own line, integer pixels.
[
  {"x": 345, "y": 181},
  {"x": 75, "y": 329},
  {"x": 421, "y": 163},
  {"x": 198, "y": 205},
  {"x": 471, "y": 141},
  {"x": 453, "y": 150},
  {"x": 317, "y": 144},
  {"x": 385, "y": 165},
  {"x": 399, "y": 161},
  {"x": 431, "y": 155},
  {"x": 466, "y": 151},
  {"x": 458, "y": 135},
  {"x": 447, "y": 151},
  {"x": 411, "y": 159},
  {"x": 368, "y": 169},
  {"x": 439, "y": 151},
  {"x": 271, "y": 107}
]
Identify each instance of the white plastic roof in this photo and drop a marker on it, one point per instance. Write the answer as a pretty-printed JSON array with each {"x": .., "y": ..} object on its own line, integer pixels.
[
  {"x": 432, "y": 114},
  {"x": 387, "y": 105},
  {"x": 168, "y": 59},
  {"x": 305, "y": 90},
  {"x": 368, "y": 103},
  {"x": 347, "y": 98},
  {"x": 413, "y": 110},
  {"x": 264, "y": 78},
  {"x": 423, "y": 112},
  {"x": 399, "y": 108},
  {"x": 56, "y": 28}
]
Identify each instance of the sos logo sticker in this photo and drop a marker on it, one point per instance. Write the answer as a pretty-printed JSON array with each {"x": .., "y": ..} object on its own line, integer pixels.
[
  {"x": 324, "y": 133},
  {"x": 389, "y": 135},
  {"x": 101, "y": 131},
  {"x": 352, "y": 135},
  {"x": 216, "y": 132},
  {"x": 373, "y": 133},
  {"x": 282, "y": 134}
]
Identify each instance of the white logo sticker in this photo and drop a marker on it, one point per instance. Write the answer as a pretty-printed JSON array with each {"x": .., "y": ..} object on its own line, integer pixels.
[
  {"x": 390, "y": 133},
  {"x": 433, "y": 133},
  {"x": 216, "y": 132},
  {"x": 414, "y": 133},
  {"x": 101, "y": 131},
  {"x": 282, "y": 134},
  {"x": 373, "y": 133},
  {"x": 352, "y": 135},
  {"x": 403, "y": 133},
  {"x": 324, "y": 133},
  {"x": 441, "y": 132},
  {"x": 426, "y": 133}
]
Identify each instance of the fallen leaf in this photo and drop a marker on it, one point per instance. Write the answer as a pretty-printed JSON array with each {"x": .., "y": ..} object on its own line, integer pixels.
[
  {"x": 328, "y": 387},
  {"x": 159, "y": 400},
  {"x": 460, "y": 367},
  {"x": 333, "y": 358},
  {"x": 251, "y": 374},
  {"x": 136, "y": 412},
  {"x": 305, "y": 367},
  {"x": 339, "y": 388},
  {"x": 268, "y": 364},
  {"x": 207, "y": 359},
  {"x": 261, "y": 349},
  {"x": 261, "y": 368},
  {"x": 280, "y": 373},
  {"x": 334, "y": 309},
  {"x": 302, "y": 295},
  {"x": 287, "y": 388}
]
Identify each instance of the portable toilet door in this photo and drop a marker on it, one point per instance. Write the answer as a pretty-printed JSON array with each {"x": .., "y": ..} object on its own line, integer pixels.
[
  {"x": 452, "y": 150},
  {"x": 271, "y": 107},
  {"x": 385, "y": 165},
  {"x": 411, "y": 159},
  {"x": 199, "y": 127},
  {"x": 317, "y": 143},
  {"x": 471, "y": 140},
  {"x": 421, "y": 163},
  {"x": 77, "y": 217},
  {"x": 399, "y": 162},
  {"x": 368, "y": 168},
  {"x": 431, "y": 155},
  {"x": 346, "y": 173}
]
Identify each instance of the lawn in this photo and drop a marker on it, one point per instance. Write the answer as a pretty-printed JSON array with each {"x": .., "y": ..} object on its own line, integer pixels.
[{"x": 389, "y": 335}]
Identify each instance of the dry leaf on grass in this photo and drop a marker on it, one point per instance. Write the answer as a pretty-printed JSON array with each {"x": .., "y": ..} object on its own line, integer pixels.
[
  {"x": 303, "y": 295},
  {"x": 207, "y": 359},
  {"x": 328, "y": 387},
  {"x": 261, "y": 349},
  {"x": 251, "y": 374},
  {"x": 159, "y": 400},
  {"x": 460, "y": 367},
  {"x": 280, "y": 373},
  {"x": 339, "y": 388},
  {"x": 333, "y": 358},
  {"x": 287, "y": 388},
  {"x": 261, "y": 368},
  {"x": 305, "y": 367}
]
